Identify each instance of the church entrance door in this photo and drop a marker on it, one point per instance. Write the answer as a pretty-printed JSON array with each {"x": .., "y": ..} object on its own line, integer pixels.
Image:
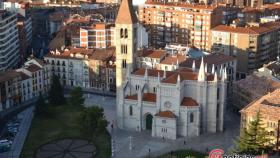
[{"x": 149, "y": 122}]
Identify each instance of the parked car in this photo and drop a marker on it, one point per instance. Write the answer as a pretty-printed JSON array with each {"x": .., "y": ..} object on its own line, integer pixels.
[{"x": 5, "y": 145}]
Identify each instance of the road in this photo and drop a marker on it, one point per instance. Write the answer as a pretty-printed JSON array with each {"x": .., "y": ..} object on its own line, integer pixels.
[{"x": 20, "y": 137}]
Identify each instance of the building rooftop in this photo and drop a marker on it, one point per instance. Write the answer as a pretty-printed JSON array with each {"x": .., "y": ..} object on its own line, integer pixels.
[
  {"x": 174, "y": 59},
  {"x": 256, "y": 86},
  {"x": 167, "y": 114},
  {"x": 189, "y": 102},
  {"x": 215, "y": 58},
  {"x": 268, "y": 105},
  {"x": 33, "y": 68},
  {"x": 9, "y": 75},
  {"x": 172, "y": 76},
  {"x": 157, "y": 54},
  {"x": 148, "y": 97},
  {"x": 183, "y": 5},
  {"x": 261, "y": 29},
  {"x": 126, "y": 14}
]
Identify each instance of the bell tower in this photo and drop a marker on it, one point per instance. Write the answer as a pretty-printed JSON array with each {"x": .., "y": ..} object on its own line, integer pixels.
[{"x": 126, "y": 38}]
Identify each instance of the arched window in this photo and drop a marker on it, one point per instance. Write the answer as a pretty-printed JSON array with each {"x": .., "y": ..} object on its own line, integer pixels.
[
  {"x": 130, "y": 110},
  {"x": 191, "y": 118},
  {"x": 125, "y": 33},
  {"x": 121, "y": 33}
]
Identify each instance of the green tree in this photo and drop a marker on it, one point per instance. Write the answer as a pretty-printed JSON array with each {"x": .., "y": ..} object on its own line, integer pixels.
[
  {"x": 93, "y": 120},
  {"x": 76, "y": 97},
  {"x": 56, "y": 94},
  {"x": 40, "y": 105},
  {"x": 254, "y": 139}
]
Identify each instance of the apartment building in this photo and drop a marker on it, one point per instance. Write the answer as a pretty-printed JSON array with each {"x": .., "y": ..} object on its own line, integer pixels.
[
  {"x": 23, "y": 84},
  {"x": 9, "y": 40},
  {"x": 82, "y": 67},
  {"x": 180, "y": 23},
  {"x": 97, "y": 35},
  {"x": 24, "y": 25},
  {"x": 10, "y": 89},
  {"x": 268, "y": 107},
  {"x": 253, "y": 45}
]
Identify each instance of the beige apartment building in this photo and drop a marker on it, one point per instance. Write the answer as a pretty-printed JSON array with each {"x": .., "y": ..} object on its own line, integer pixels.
[
  {"x": 252, "y": 45},
  {"x": 190, "y": 24}
]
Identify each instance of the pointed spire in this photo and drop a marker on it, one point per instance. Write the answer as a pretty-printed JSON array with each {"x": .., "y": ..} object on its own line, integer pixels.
[
  {"x": 178, "y": 79},
  {"x": 225, "y": 74},
  {"x": 206, "y": 68},
  {"x": 126, "y": 14},
  {"x": 221, "y": 71},
  {"x": 215, "y": 77},
  {"x": 177, "y": 64},
  {"x": 164, "y": 73},
  {"x": 213, "y": 69},
  {"x": 146, "y": 73},
  {"x": 172, "y": 67},
  {"x": 193, "y": 65},
  {"x": 201, "y": 73},
  {"x": 158, "y": 78}
]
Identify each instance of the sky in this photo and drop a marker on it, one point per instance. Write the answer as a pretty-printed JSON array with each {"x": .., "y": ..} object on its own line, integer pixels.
[{"x": 137, "y": 2}]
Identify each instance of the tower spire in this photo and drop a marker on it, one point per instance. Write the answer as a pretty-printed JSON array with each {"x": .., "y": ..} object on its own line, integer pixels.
[
  {"x": 193, "y": 65},
  {"x": 201, "y": 73},
  {"x": 126, "y": 14}
]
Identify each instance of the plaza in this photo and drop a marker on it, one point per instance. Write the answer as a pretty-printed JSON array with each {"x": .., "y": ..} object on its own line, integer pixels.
[{"x": 143, "y": 142}]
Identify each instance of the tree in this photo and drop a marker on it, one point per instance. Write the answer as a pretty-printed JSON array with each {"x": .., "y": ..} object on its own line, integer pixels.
[
  {"x": 254, "y": 139},
  {"x": 41, "y": 106},
  {"x": 93, "y": 120},
  {"x": 56, "y": 94},
  {"x": 76, "y": 97}
]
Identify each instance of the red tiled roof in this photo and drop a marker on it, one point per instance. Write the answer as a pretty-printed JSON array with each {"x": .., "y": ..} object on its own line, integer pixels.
[
  {"x": 189, "y": 102},
  {"x": 24, "y": 76},
  {"x": 263, "y": 28},
  {"x": 132, "y": 97},
  {"x": 167, "y": 114},
  {"x": 151, "y": 72},
  {"x": 150, "y": 97},
  {"x": 154, "y": 53},
  {"x": 172, "y": 59}
]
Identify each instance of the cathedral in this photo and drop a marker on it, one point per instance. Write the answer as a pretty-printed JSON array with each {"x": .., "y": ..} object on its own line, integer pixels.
[{"x": 171, "y": 104}]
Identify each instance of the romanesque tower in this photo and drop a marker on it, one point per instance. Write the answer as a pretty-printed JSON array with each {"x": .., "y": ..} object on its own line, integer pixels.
[{"x": 126, "y": 32}]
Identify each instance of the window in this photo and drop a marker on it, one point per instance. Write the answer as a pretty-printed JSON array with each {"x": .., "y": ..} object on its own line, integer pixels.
[
  {"x": 191, "y": 118},
  {"x": 125, "y": 33},
  {"x": 137, "y": 87},
  {"x": 124, "y": 49},
  {"x": 124, "y": 63},
  {"x": 130, "y": 110},
  {"x": 155, "y": 89},
  {"x": 121, "y": 33},
  {"x": 163, "y": 121}
]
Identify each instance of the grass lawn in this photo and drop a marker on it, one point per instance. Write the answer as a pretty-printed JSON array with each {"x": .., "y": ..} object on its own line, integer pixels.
[
  {"x": 62, "y": 124},
  {"x": 184, "y": 154}
]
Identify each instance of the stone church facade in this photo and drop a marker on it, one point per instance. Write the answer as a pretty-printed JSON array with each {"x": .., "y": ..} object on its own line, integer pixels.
[{"x": 181, "y": 102}]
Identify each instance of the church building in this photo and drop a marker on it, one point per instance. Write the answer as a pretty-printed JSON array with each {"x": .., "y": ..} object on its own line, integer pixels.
[{"x": 171, "y": 104}]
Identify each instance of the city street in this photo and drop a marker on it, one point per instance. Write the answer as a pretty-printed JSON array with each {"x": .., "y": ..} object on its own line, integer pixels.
[
  {"x": 26, "y": 119},
  {"x": 143, "y": 141}
]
